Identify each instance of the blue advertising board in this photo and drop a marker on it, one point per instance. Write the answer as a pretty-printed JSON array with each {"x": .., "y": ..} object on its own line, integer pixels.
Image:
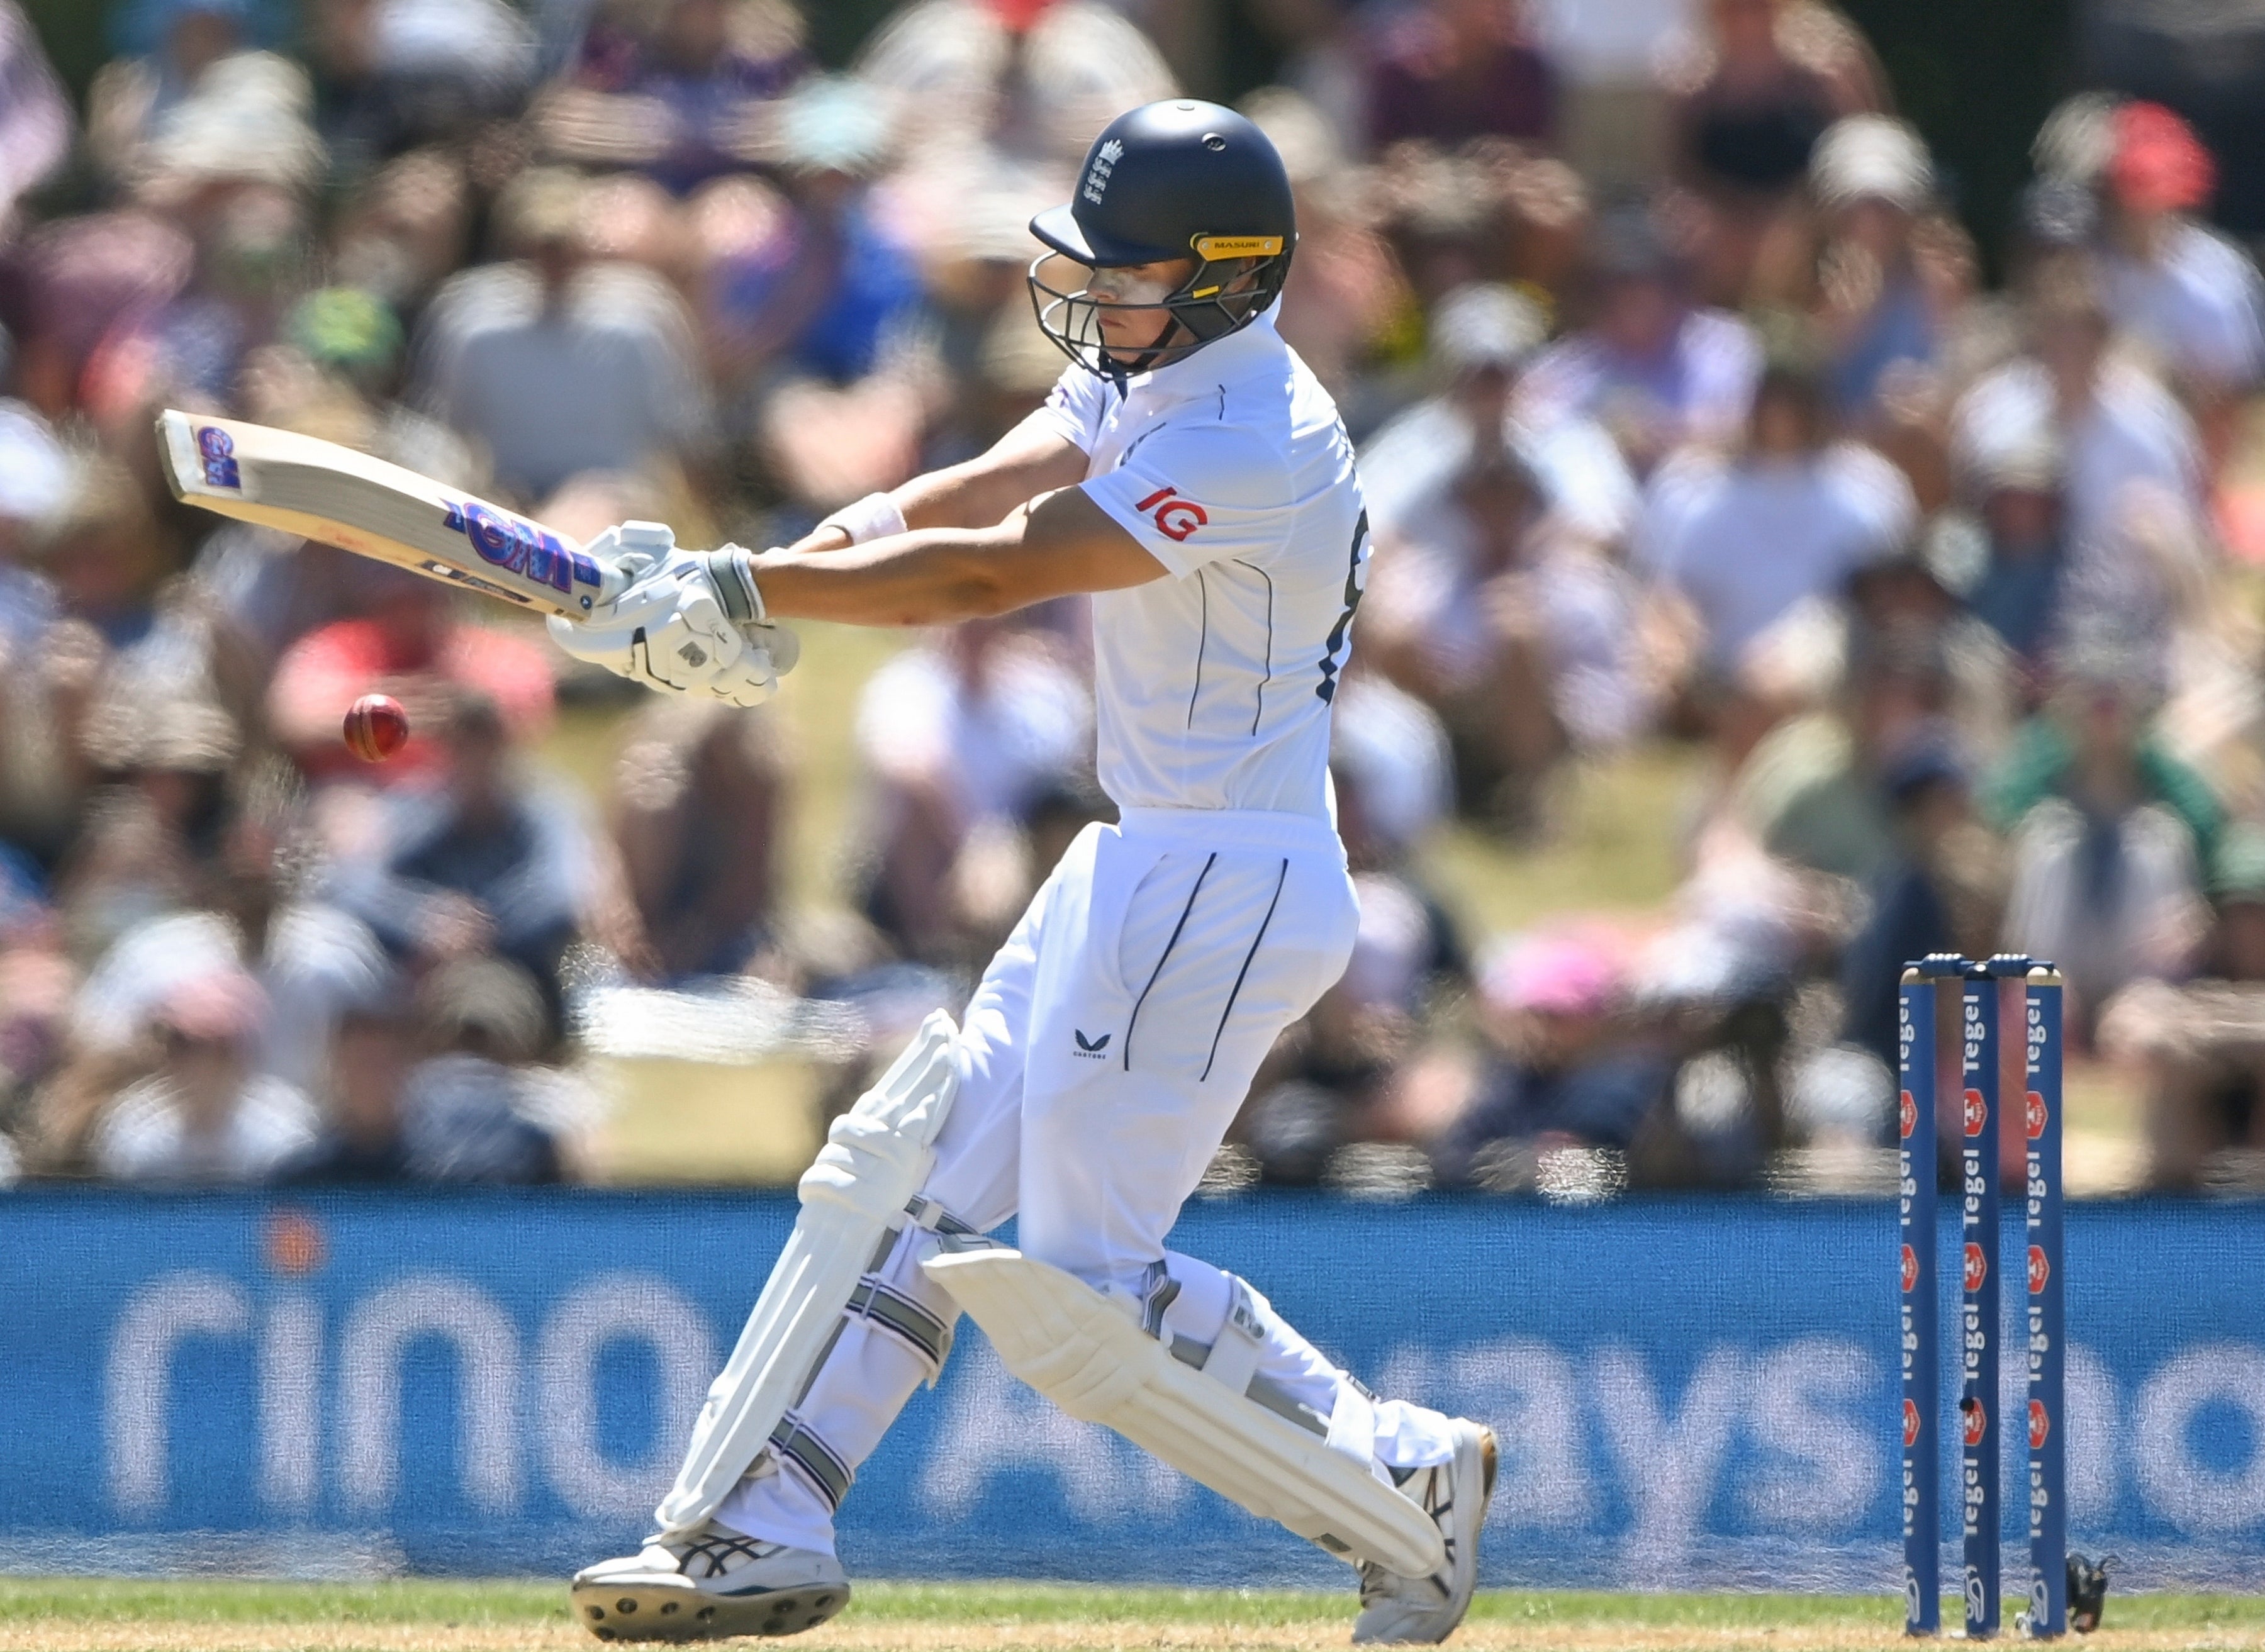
[{"x": 1689, "y": 1392}]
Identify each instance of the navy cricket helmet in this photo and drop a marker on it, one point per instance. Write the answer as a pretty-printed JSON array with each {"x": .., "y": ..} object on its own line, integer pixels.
[{"x": 1179, "y": 179}]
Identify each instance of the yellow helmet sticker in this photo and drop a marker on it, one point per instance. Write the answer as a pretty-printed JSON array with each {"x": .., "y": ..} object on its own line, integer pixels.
[{"x": 1236, "y": 246}]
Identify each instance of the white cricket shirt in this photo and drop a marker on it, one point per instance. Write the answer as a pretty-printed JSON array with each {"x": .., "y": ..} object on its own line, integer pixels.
[{"x": 1231, "y": 468}]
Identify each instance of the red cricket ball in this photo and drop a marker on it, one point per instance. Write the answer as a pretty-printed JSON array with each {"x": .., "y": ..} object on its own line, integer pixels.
[{"x": 376, "y": 727}]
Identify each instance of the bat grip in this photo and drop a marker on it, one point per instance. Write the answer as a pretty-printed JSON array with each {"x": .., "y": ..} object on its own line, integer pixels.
[{"x": 612, "y": 579}]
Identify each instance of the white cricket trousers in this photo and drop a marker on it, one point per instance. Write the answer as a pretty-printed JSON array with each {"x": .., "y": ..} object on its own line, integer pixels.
[{"x": 1108, "y": 1047}]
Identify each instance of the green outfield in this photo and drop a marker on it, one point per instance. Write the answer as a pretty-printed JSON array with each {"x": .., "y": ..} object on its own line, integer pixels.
[{"x": 111, "y": 1615}]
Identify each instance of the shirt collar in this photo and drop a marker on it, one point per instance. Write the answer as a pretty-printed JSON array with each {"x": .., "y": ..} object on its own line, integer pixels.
[{"x": 1217, "y": 363}]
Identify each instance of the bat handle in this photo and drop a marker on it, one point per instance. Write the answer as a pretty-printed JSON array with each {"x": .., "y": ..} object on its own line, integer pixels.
[
  {"x": 652, "y": 544},
  {"x": 612, "y": 579}
]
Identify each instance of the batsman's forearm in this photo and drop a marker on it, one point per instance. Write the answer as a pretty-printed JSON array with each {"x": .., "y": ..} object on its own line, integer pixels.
[
  {"x": 930, "y": 576},
  {"x": 967, "y": 495},
  {"x": 961, "y": 496}
]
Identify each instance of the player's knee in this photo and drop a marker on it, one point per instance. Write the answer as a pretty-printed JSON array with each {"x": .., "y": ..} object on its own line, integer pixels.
[{"x": 1076, "y": 1254}]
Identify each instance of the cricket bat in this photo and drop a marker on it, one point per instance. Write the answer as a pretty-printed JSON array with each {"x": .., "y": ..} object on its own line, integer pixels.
[{"x": 320, "y": 491}]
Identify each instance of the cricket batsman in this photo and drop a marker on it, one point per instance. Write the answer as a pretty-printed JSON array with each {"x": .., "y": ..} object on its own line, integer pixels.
[{"x": 1189, "y": 473}]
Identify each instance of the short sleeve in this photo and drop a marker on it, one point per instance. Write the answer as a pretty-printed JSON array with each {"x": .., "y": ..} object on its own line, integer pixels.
[
  {"x": 1681, "y": 490},
  {"x": 2227, "y": 341},
  {"x": 1200, "y": 493},
  {"x": 1076, "y": 405},
  {"x": 1876, "y": 494}
]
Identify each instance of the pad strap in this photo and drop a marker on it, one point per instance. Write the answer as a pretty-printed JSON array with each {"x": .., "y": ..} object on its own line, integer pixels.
[
  {"x": 1352, "y": 1426},
  {"x": 893, "y": 1311},
  {"x": 1234, "y": 1357},
  {"x": 925, "y": 1213},
  {"x": 820, "y": 1464}
]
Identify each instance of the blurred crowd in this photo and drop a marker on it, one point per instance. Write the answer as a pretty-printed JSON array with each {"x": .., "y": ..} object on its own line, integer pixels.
[{"x": 1691, "y": 416}]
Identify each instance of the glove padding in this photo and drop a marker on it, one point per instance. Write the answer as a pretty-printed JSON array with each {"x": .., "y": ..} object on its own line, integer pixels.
[{"x": 669, "y": 628}]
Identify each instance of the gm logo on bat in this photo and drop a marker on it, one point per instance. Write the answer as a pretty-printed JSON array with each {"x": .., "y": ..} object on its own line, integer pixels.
[
  {"x": 218, "y": 452},
  {"x": 518, "y": 546}
]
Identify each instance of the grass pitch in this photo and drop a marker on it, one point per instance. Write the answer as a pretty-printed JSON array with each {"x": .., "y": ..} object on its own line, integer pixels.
[{"x": 108, "y": 1615}]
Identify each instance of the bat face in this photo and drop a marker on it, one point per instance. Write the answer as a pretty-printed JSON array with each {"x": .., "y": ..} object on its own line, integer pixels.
[{"x": 321, "y": 491}]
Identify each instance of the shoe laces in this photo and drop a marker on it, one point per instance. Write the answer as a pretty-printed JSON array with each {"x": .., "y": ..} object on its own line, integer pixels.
[{"x": 717, "y": 1551}]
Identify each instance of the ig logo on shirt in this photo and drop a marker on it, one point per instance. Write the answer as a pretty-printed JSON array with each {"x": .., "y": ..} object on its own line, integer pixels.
[{"x": 1175, "y": 518}]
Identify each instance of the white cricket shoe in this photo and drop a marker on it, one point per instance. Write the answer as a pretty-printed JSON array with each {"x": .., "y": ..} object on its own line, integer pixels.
[
  {"x": 1396, "y": 1610},
  {"x": 704, "y": 1587}
]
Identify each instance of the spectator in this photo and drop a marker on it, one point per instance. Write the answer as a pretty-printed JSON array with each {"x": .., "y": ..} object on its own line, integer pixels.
[
  {"x": 818, "y": 317},
  {"x": 2190, "y": 295},
  {"x": 2108, "y": 831},
  {"x": 474, "y": 1109},
  {"x": 1335, "y": 1079},
  {"x": 1022, "y": 83},
  {"x": 35, "y": 482},
  {"x": 48, "y": 667},
  {"x": 1876, "y": 306},
  {"x": 1490, "y": 601},
  {"x": 2129, "y": 453},
  {"x": 414, "y": 646},
  {"x": 1559, "y": 1070},
  {"x": 1344, "y": 291},
  {"x": 35, "y": 116},
  {"x": 1614, "y": 116},
  {"x": 36, "y": 982},
  {"x": 199, "y": 62},
  {"x": 1750, "y": 109},
  {"x": 1482, "y": 338},
  {"x": 106, "y": 554},
  {"x": 397, "y": 74},
  {"x": 1742, "y": 540},
  {"x": 555, "y": 364},
  {"x": 2199, "y": 1049},
  {"x": 1450, "y": 70},
  {"x": 83, "y": 278},
  {"x": 1390, "y": 761},
  {"x": 309, "y": 961},
  {"x": 204, "y": 1115},
  {"x": 405, "y": 231},
  {"x": 1820, "y": 790},
  {"x": 700, "y": 795},
  {"x": 147, "y": 838},
  {"x": 234, "y": 164},
  {"x": 482, "y": 862},
  {"x": 1649, "y": 366},
  {"x": 2018, "y": 592},
  {"x": 362, "y": 1137},
  {"x": 962, "y": 739},
  {"x": 1014, "y": 370},
  {"x": 684, "y": 90},
  {"x": 1938, "y": 889}
]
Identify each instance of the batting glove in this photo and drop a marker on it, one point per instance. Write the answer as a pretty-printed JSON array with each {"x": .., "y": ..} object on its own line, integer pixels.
[{"x": 691, "y": 622}]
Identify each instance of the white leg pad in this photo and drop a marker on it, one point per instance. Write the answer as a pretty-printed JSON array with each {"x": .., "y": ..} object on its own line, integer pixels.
[
  {"x": 1085, "y": 1353},
  {"x": 876, "y": 1157}
]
